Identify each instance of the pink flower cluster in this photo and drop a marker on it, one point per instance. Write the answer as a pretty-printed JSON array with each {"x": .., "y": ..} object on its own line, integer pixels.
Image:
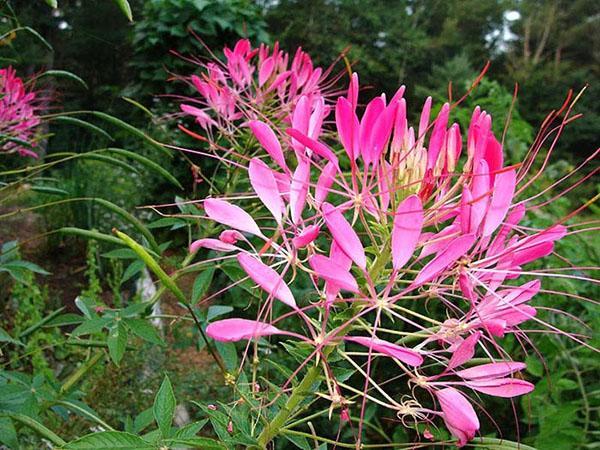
[
  {"x": 18, "y": 115},
  {"x": 250, "y": 82},
  {"x": 382, "y": 217}
]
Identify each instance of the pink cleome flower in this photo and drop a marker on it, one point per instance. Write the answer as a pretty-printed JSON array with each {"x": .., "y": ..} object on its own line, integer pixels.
[
  {"x": 18, "y": 115},
  {"x": 381, "y": 215}
]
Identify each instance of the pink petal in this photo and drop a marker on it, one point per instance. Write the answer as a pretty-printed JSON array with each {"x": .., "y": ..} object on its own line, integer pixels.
[
  {"x": 493, "y": 155},
  {"x": 266, "y": 278},
  {"x": 300, "y": 121},
  {"x": 320, "y": 149},
  {"x": 230, "y": 236},
  {"x": 265, "y": 186},
  {"x": 458, "y": 414},
  {"x": 526, "y": 255},
  {"x": 438, "y": 136},
  {"x": 465, "y": 351},
  {"x": 324, "y": 183},
  {"x": 502, "y": 387},
  {"x": 211, "y": 244},
  {"x": 269, "y": 141},
  {"x": 466, "y": 201},
  {"x": 408, "y": 223},
  {"x": 231, "y": 215},
  {"x": 373, "y": 110},
  {"x": 382, "y": 131},
  {"x": 344, "y": 235},
  {"x": 480, "y": 188},
  {"x": 333, "y": 273},
  {"x": 502, "y": 195},
  {"x": 491, "y": 370},
  {"x": 403, "y": 354},
  {"x": 266, "y": 69},
  {"x": 424, "y": 120},
  {"x": 457, "y": 248},
  {"x": 306, "y": 236},
  {"x": 232, "y": 330},
  {"x": 347, "y": 127},
  {"x": 299, "y": 188}
]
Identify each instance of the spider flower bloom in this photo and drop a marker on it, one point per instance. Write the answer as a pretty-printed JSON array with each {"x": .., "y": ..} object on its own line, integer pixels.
[
  {"x": 252, "y": 80},
  {"x": 18, "y": 115},
  {"x": 376, "y": 217}
]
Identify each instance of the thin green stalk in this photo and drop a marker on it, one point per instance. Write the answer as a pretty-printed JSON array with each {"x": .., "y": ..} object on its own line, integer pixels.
[
  {"x": 170, "y": 284},
  {"x": 80, "y": 372},
  {"x": 299, "y": 393},
  {"x": 36, "y": 426}
]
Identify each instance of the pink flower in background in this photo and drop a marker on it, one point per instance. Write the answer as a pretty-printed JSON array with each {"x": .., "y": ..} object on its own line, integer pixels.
[
  {"x": 18, "y": 115},
  {"x": 250, "y": 81}
]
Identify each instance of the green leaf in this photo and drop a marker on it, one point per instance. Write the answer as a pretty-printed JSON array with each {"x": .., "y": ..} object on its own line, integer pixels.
[
  {"x": 126, "y": 8},
  {"x": 64, "y": 319},
  {"x": 110, "y": 440},
  {"x": 497, "y": 444},
  {"x": 5, "y": 337},
  {"x": 131, "y": 219},
  {"x": 34, "y": 425},
  {"x": 120, "y": 253},
  {"x": 534, "y": 366},
  {"x": 85, "y": 411},
  {"x": 63, "y": 74},
  {"x": 49, "y": 190},
  {"x": 26, "y": 265},
  {"x": 298, "y": 441},
  {"x": 143, "y": 329},
  {"x": 117, "y": 342},
  {"x": 138, "y": 105},
  {"x": 148, "y": 163},
  {"x": 8, "y": 433},
  {"x": 190, "y": 430},
  {"x": 84, "y": 124},
  {"x": 143, "y": 420},
  {"x": 52, "y": 3},
  {"x": 164, "y": 407},
  {"x": 91, "y": 326},
  {"x": 131, "y": 130},
  {"x": 197, "y": 442},
  {"x": 202, "y": 284},
  {"x": 217, "y": 310},
  {"x": 132, "y": 270}
]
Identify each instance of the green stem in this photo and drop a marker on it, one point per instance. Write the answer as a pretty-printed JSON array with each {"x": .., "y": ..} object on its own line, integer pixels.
[
  {"x": 299, "y": 393},
  {"x": 80, "y": 372},
  {"x": 36, "y": 426}
]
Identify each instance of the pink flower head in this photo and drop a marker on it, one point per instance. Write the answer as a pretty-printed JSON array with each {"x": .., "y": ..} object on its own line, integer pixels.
[
  {"x": 18, "y": 115},
  {"x": 363, "y": 224}
]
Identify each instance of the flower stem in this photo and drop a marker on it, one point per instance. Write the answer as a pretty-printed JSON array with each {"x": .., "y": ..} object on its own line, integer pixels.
[{"x": 299, "y": 393}]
